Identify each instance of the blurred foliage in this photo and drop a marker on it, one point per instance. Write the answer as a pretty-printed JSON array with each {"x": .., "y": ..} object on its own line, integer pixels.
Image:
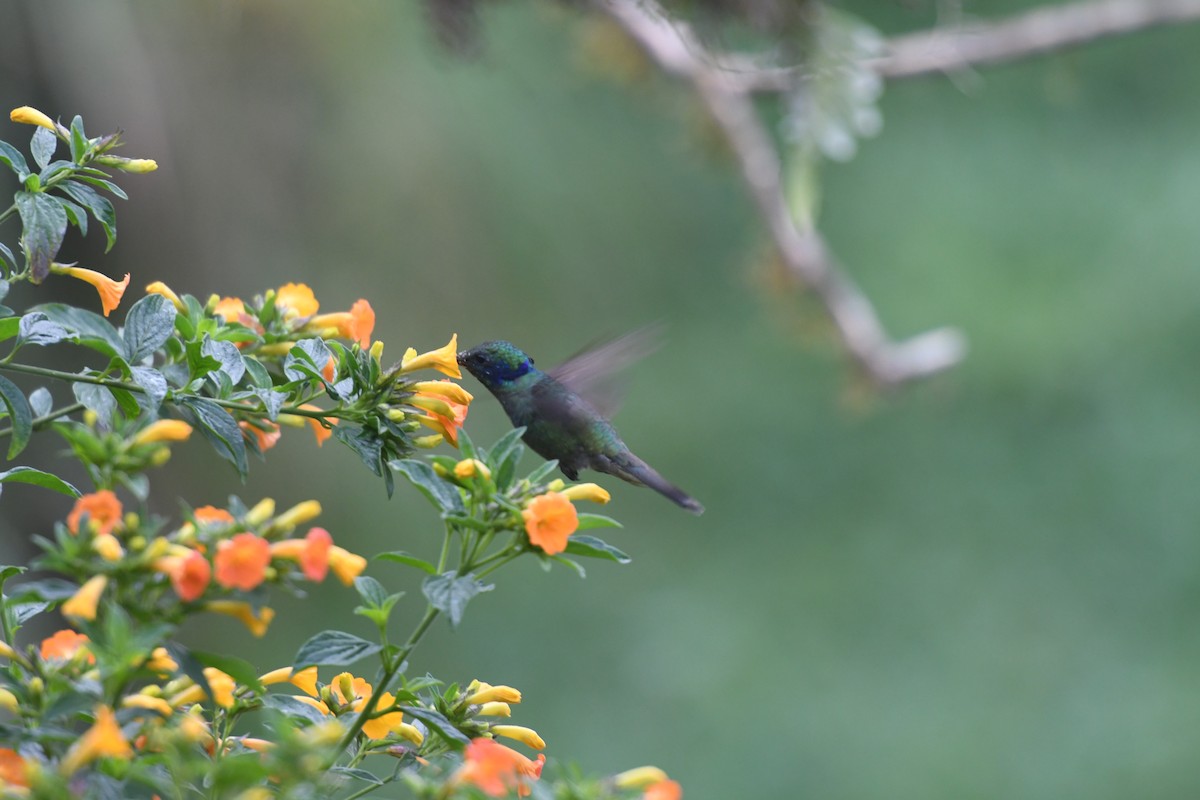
[{"x": 982, "y": 586}]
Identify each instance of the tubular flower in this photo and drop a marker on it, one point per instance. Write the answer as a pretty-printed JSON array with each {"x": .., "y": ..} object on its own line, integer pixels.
[
  {"x": 104, "y": 738},
  {"x": 190, "y": 574},
  {"x": 297, "y": 300},
  {"x": 319, "y": 430},
  {"x": 6, "y": 650},
  {"x": 311, "y": 552},
  {"x": 265, "y": 437},
  {"x": 305, "y": 679},
  {"x": 147, "y": 702},
  {"x": 355, "y": 324},
  {"x": 160, "y": 661},
  {"x": 486, "y": 693},
  {"x": 526, "y": 736},
  {"x": 222, "y": 686},
  {"x": 346, "y": 565},
  {"x": 160, "y": 288},
  {"x": 13, "y": 771},
  {"x": 211, "y": 515},
  {"x": 296, "y": 515},
  {"x": 549, "y": 520},
  {"x": 443, "y": 415},
  {"x": 496, "y": 770},
  {"x": 241, "y": 562},
  {"x": 448, "y": 390},
  {"x": 103, "y": 511},
  {"x": 444, "y": 359},
  {"x": 257, "y": 622},
  {"x": 470, "y": 467},
  {"x": 8, "y": 701},
  {"x": 587, "y": 491},
  {"x": 495, "y": 709},
  {"x": 107, "y": 546},
  {"x": 83, "y": 603},
  {"x": 164, "y": 430},
  {"x": 63, "y": 645},
  {"x": 137, "y": 166},
  {"x": 261, "y": 512},
  {"x": 27, "y": 115},
  {"x": 639, "y": 777},
  {"x": 663, "y": 790},
  {"x": 110, "y": 291}
]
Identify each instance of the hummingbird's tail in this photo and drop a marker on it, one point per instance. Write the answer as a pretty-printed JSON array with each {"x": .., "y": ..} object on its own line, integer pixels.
[{"x": 631, "y": 468}]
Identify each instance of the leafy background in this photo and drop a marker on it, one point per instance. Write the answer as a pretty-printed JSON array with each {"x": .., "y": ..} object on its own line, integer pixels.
[{"x": 985, "y": 585}]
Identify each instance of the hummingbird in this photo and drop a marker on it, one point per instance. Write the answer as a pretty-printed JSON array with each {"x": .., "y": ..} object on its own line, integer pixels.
[{"x": 559, "y": 422}]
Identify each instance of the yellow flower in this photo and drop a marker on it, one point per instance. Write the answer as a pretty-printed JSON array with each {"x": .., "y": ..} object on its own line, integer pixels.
[
  {"x": 8, "y": 701},
  {"x": 526, "y": 736},
  {"x": 447, "y": 389},
  {"x": 639, "y": 778},
  {"x": 444, "y": 359},
  {"x": 258, "y": 746},
  {"x": 257, "y": 622},
  {"x": 107, "y": 546},
  {"x": 6, "y": 650},
  {"x": 147, "y": 702},
  {"x": 296, "y": 300},
  {"x": 346, "y": 565},
  {"x": 428, "y": 442},
  {"x": 160, "y": 661},
  {"x": 160, "y": 288},
  {"x": 110, "y": 291},
  {"x": 230, "y": 308},
  {"x": 586, "y": 491},
  {"x": 470, "y": 467},
  {"x": 296, "y": 515},
  {"x": 135, "y": 165},
  {"x": 83, "y": 604},
  {"x": 380, "y": 726},
  {"x": 222, "y": 686},
  {"x": 486, "y": 693},
  {"x": 104, "y": 738},
  {"x": 31, "y": 116},
  {"x": 305, "y": 679},
  {"x": 261, "y": 512},
  {"x": 164, "y": 430},
  {"x": 495, "y": 709}
]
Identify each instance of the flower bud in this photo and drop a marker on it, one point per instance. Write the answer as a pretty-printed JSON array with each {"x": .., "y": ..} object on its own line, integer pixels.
[
  {"x": 639, "y": 778},
  {"x": 526, "y": 736},
  {"x": 262, "y": 511},
  {"x": 470, "y": 467},
  {"x": 31, "y": 116}
]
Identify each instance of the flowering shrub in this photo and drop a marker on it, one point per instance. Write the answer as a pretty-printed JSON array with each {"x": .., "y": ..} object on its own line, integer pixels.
[{"x": 114, "y": 705}]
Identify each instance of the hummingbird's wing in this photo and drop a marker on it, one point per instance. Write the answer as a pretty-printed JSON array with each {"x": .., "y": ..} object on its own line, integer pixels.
[{"x": 594, "y": 372}]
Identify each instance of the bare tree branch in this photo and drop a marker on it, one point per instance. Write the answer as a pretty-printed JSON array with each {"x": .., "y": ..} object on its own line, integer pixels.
[
  {"x": 1032, "y": 33},
  {"x": 672, "y": 45}
]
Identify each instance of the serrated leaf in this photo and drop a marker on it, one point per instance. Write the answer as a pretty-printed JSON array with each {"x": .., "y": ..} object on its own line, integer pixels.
[
  {"x": 148, "y": 325},
  {"x": 401, "y": 557},
  {"x": 19, "y": 413},
  {"x": 441, "y": 493},
  {"x": 15, "y": 160},
  {"x": 45, "y": 223},
  {"x": 333, "y": 648},
  {"x": 38, "y": 478},
  {"x": 221, "y": 430},
  {"x": 101, "y": 208},
  {"x": 591, "y": 547},
  {"x": 450, "y": 593},
  {"x": 37, "y": 328}
]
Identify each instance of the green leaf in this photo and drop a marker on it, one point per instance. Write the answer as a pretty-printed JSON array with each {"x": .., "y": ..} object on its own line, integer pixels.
[
  {"x": 20, "y": 413},
  {"x": 227, "y": 354},
  {"x": 291, "y": 707},
  {"x": 109, "y": 185},
  {"x": 41, "y": 402},
  {"x": 49, "y": 589},
  {"x": 100, "y": 207},
  {"x": 148, "y": 325},
  {"x": 91, "y": 329},
  {"x": 220, "y": 428},
  {"x": 239, "y": 669},
  {"x": 366, "y": 443},
  {"x": 79, "y": 140},
  {"x": 38, "y": 478},
  {"x": 23, "y": 612},
  {"x": 371, "y": 591},
  {"x": 43, "y": 145},
  {"x": 442, "y": 494},
  {"x": 7, "y": 257},
  {"x": 96, "y": 398},
  {"x": 541, "y": 472},
  {"x": 588, "y": 521},
  {"x": 75, "y": 214},
  {"x": 439, "y": 725},
  {"x": 127, "y": 402},
  {"x": 9, "y": 326},
  {"x": 307, "y": 359},
  {"x": 36, "y": 328},
  {"x": 591, "y": 547},
  {"x": 45, "y": 224},
  {"x": 356, "y": 774},
  {"x": 16, "y": 162},
  {"x": 401, "y": 557},
  {"x": 334, "y": 648},
  {"x": 450, "y": 593},
  {"x": 153, "y": 382}
]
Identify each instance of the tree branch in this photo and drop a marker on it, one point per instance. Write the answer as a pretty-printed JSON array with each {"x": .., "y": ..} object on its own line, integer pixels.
[
  {"x": 808, "y": 260},
  {"x": 1032, "y": 33}
]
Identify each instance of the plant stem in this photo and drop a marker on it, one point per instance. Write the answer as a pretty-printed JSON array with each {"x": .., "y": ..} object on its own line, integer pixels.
[{"x": 53, "y": 415}]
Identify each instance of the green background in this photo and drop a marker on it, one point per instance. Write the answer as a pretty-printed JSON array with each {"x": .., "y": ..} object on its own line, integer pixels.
[{"x": 981, "y": 586}]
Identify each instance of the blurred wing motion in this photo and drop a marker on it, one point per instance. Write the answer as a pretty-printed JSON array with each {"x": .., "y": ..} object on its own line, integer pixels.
[{"x": 594, "y": 373}]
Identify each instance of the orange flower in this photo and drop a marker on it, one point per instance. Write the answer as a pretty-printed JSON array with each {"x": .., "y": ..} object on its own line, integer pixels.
[
  {"x": 265, "y": 437},
  {"x": 298, "y": 299},
  {"x": 496, "y": 770},
  {"x": 13, "y": 771},
  {"x": 311, "y": 552},
  {"x": 190, "y": 576},
  {"x": 104, "y": 738},
  {"x": 329, "y": 371},
  {"x": 664, "y": 790},
  {"x": 241, "y": 562},
  {"x": 355, "y": 324},
  {"x": 65, "y": 644},
  {"x": 103, "y": 510},
  {"x": 319, "y": 431},
  {"x": 443, "y": 414},
  {"x": 549, "y": 520},
  {"x": 211, "y": 515},
  {"x": 110, "y": 291},
  {"x": 231, "y": 308}
]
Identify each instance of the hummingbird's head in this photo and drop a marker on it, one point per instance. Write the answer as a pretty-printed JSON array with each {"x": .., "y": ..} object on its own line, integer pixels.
[{"x": 495, "y": 363}]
